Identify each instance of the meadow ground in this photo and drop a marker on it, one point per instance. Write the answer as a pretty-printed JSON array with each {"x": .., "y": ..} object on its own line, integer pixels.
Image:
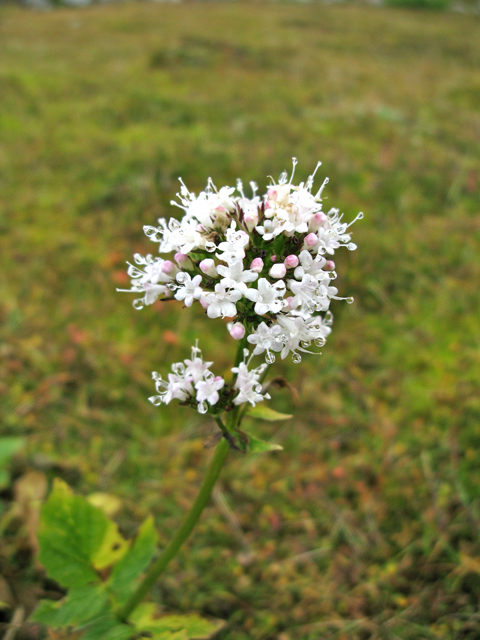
[{"x": 367, "y": 524}]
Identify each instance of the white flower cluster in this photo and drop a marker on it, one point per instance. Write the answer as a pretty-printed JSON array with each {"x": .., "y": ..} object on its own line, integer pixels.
[
  {"x": 193, "y": 384},
  {"x": 264, "y": 262}
]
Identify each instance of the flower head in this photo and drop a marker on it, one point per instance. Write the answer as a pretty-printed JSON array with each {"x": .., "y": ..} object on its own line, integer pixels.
[{"x": 264, "y": 261}]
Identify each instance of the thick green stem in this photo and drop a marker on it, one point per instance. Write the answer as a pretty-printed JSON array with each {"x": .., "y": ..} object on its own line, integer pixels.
[{"x": 171, "y": 550}]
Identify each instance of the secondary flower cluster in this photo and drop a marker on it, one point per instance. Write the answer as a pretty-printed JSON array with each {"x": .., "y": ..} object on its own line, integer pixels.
[
  {"x": 192, "y": 382},
  {"x": 264, "y": 262}
]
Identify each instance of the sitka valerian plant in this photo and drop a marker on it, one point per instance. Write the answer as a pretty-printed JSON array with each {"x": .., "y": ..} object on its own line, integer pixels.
[{"x": 266, "y": 264}]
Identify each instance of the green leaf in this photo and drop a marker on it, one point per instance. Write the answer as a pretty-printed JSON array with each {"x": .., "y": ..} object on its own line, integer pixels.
[
  {"x": 127, "y": 571},
  {"x": 173, "y": 627},
  {"x": 255, "y": 445},
  {"x": 76, "y": 538},
  {"x": 107, "y": 628},
  {"x": 77, "y": 609},
  {"x": 265, "y": 413}
]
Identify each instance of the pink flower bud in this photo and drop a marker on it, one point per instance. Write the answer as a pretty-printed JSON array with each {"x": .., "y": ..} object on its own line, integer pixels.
[
  {"x": 251, "y": 221},
  {"x": 311, "y": 240},
  {"x": 291, "y": 261},
  {"x": 273, "y": 258},
  {"x": 182, "y": 260},
  {"x": 317, "y": 221},
  {"x": 237, "y": 331},
  {"x": 257, "y": 265},
  {"x": 278, "y": 271},
  {"x": 168, "y": 267},
  {"x": 329, "y": 265},
  {"x": 208, "y": 267}
]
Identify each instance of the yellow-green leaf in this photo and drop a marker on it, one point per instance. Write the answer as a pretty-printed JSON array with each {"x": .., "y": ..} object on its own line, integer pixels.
[
  {"x": 265, "y": 413},
  {"x": 76, "y": 538},
  {"x": 126, "y": 572},
  {"x": 255, "y": 445},
  {"x": 174, "y": 627}
]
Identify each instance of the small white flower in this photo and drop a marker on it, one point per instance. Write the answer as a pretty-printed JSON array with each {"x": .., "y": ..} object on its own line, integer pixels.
[
  {"x": 152, "y": 292},
  {"x": 234, "y": 277},
  {"x": 310, "y": 265},
  {"x": 300, "y": 332},
  {"x": 311, "y": 293},
  {"x": 196, "y": 369},
  {"x": 222, "y": 302},
  {"x": 248, "y": 384},
  {"x": 176, "y": 388},
  {"x": 266, "y": 338},
  {"x": 207, "y": 390},
  {"x": 234, "y": 246},
  {"x": 268, "y": 297},
  {"x": 189, "y": 289}
]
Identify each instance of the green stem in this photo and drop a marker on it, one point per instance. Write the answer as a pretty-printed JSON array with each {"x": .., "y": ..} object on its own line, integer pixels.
[
  {"x": 171, "y": 550},
  {"x": 191, "y": 519}
]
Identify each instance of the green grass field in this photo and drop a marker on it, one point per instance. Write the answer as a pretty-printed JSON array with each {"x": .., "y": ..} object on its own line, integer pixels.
[{"x": 367, "y": 524}]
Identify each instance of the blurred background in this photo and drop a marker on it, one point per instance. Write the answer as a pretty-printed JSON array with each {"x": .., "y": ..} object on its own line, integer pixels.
[{"x": 367, "y": 524}]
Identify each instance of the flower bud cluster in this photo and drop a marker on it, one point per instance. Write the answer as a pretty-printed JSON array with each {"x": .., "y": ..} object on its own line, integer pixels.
[
  {"x": 193, "y": 384},
  {"x": 264, "y": 262}
]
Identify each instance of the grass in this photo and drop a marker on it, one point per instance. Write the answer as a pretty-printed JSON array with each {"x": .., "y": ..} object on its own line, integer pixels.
[{"x": 366, "y": 526}]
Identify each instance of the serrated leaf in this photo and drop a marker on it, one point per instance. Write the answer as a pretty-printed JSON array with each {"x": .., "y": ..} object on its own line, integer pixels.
[
  {"x": 255, "y": 445},
  {"x": 127, "y": 571},
  {"x": 76, "y": 610},
  {"x": 190, "y": 626},
  {"x": 265, "y": 413},
  {"x": 74, "y": 537}
]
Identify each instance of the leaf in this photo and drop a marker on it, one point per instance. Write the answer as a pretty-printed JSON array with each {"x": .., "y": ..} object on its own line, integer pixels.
[
  {"x": 108, "y": 502},
  {"x": 265, "y": 413},
  {"x": 77, "y": 609},
  {"x": 75, "y": 538},
  {"x": 174, "y": 627},
  {"x": 255, "y": 445},
  {"x": 107, "y": 628},
  {"x": 127, "y": 571},
  {"x": 112, "y": 549}
]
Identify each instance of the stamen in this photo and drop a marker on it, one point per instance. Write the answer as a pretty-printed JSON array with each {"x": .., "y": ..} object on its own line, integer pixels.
[
  {"x": 319, "y": 192},
  {"x": 294, "y": 163}
]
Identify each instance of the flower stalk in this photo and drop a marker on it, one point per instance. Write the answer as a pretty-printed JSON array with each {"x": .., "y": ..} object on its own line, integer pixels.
[{"x": 213, "y": 471}]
